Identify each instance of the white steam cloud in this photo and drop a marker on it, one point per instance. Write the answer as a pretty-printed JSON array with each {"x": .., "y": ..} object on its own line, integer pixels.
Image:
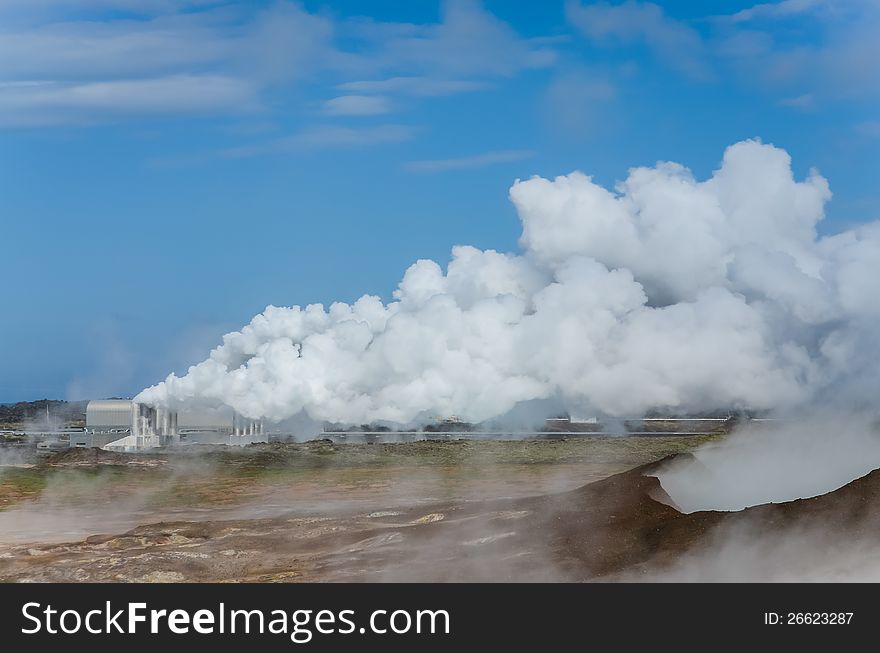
[
  {"x": 760, "y": 463},
  {"x": 668, "y": 292}
]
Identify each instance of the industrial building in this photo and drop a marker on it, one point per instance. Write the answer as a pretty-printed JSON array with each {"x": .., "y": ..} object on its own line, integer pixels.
[{"x": 125, "y": 425}]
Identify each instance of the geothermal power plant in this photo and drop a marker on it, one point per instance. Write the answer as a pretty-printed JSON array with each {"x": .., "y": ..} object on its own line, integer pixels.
[
  {"x": 129, "y": 426},
  {"x": 124, "y": 425}
]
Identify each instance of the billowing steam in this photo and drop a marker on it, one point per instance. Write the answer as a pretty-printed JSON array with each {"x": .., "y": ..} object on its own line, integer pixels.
[
  {"x": 792, "y": 459},
  {"x": 667, "y": 293}
]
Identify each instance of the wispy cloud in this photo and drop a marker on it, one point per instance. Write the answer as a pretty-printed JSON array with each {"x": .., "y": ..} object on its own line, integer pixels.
[
  {"x": 468, "y": 42},
  {"x": 632, "y": 22},
  {"x": 357, "y": 105},
  {"x": 805, "y": 102},
  {"x": 869, "y": 128},
  {"x": 468, "y": 162},
  {"x": 282, "y": 41},
  {"x": 326, "y": 136},
  {"x": 77, "y": 46},
  {"x": 54, "y": 103},
  {"x": 169, "y": 62},
  {"x": 782, "y": 9},
  {"x": 575, "y": 103},
  {"x": 837, "y": 60},
  {"x": 416, "y": 86}
]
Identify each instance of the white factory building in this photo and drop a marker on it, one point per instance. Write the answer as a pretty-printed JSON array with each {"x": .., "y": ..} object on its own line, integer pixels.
[{"x": 126, "y": 425}]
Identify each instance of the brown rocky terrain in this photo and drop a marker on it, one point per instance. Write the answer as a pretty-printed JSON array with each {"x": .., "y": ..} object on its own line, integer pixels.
[{"x": 620, "y": 527}]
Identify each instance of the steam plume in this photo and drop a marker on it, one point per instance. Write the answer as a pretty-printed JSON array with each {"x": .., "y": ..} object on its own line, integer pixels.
[{"x": 668, "y": 292}]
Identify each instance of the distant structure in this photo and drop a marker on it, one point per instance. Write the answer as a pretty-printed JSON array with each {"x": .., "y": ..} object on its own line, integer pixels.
[
  {"x": 125, "y": 425},
  {"x": 570, "y": 424}
]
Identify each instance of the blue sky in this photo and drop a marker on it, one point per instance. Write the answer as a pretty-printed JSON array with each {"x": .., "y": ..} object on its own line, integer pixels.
[{"x": 170, "y": 167}]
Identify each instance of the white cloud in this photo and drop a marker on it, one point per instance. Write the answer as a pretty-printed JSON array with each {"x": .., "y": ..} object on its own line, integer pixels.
[
  {"x": 469, "y": 162},
  {"x": 667, "y": 292},
  {"x": 357, "y": 105}
]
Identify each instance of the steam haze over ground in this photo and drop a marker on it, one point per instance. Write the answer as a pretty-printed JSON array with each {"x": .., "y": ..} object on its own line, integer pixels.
[{"x": 794, "y": 459}]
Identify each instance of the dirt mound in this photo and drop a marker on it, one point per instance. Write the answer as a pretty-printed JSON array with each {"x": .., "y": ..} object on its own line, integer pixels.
[
  {"x": 623, "y": 525},
  {"x": 82, "y": 457}
]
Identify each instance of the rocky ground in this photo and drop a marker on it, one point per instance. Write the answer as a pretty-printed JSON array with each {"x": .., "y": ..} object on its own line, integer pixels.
[{"x": 418, "y": 511}]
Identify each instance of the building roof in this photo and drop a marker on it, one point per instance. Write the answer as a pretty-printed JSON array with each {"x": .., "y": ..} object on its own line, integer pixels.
[{"x": 109, "y": 412}]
